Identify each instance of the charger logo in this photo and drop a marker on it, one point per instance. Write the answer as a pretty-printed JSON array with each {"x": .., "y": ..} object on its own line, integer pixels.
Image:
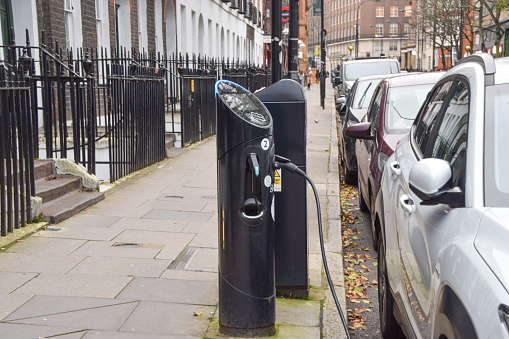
[{"x": 277, "y": 180}]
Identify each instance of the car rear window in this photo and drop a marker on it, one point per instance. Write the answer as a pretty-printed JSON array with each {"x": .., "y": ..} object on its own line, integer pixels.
[
  {"x": 496, "y": 141},
  {"x": 356, "y": 70}
]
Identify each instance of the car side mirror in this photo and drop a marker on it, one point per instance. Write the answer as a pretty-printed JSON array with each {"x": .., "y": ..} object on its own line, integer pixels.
[
  {"x": 431, "y": 180},
  {"x": 340, "y": 105},
  {"x": 361, "y": 130}
]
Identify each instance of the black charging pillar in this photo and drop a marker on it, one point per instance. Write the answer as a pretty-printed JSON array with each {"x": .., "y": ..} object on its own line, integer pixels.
[
  {"x": 286, "y": 103},
  {"x": 245, "y": 177}
]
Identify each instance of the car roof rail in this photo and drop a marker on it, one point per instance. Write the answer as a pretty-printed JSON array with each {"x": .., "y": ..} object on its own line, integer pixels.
[{"x": 484, "y": 59}]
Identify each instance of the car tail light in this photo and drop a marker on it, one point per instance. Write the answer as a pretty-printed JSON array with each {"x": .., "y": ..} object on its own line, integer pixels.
[{"x": 503, "y": 312}]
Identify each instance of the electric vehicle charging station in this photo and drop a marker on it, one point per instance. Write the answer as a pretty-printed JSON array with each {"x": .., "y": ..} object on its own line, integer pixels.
[
  {"x": 286, "y": 103},
  {"x": 245, "y": 173}
]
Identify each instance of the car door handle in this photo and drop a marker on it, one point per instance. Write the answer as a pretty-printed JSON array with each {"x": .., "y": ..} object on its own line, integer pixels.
[
  {"x": 395, "y": 169},
  {"x": 407, "y": 203}
]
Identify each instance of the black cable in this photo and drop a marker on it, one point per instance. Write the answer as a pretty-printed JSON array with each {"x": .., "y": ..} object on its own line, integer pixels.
[{"x": 294, "y": 169}]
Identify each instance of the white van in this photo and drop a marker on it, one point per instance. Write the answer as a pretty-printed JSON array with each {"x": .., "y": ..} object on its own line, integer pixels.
[{"x": 351, "y": 70}]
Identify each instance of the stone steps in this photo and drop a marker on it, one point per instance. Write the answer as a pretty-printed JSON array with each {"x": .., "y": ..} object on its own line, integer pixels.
[{"x": 62, "y": 194}]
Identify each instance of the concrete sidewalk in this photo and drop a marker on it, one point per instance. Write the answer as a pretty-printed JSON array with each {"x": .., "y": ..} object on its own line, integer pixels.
[{"x": 143, "y": 262}]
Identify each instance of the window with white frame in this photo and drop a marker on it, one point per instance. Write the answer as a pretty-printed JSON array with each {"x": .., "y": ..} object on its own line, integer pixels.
[
  {"x": 393, "y": 45},
  {"x": 406, "y": 28},
  {"x": 379, "y": 30},
  {"x": 378, "y": 45},
  {"x": 412, "y": 34},
  {"x": 379, "y": 11},
  {"x": 69, "y": 23},
  {"x": 408, "y": 10},
  {"x": 394, "y": 11},
  {"x": 393, "y": 29}
]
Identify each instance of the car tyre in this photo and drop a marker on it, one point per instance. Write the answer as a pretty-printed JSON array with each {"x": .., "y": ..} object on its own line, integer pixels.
[
  {"x": 362, "y": 203},
  {"x": 388, "y": 325},
  {"x": 350, "y": 176}
]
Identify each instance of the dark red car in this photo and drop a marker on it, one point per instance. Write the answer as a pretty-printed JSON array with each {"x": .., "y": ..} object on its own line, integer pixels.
[{"x": 390, "y": 114}]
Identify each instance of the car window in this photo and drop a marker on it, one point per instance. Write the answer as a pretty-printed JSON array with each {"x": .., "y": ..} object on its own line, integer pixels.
[
  {"x": 364, "y": 93},
  {"x": 429, "y": 115},
  {"x": 353, "y": 70},
  {"x": 374, "y": 108},
  {"x": 403, "y": 105},
  {"x": 451, "y": 140},
  {"x": 496, "y": 166}
]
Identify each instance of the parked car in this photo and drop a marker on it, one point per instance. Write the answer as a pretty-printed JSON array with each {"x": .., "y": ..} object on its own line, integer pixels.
[
  {"x": 392, "y": 111},
  {"x": 354, "y": 69},
  {"x": 443, "y": 211},
  {"x": 351, "y": 113}
]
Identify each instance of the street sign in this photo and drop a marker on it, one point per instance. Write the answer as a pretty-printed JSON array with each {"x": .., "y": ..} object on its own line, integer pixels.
[{"x": 285, "y": 13}]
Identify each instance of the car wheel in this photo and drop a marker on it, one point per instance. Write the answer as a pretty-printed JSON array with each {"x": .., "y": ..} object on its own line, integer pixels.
[
  {"x": 388, "y": 324},
  {"x": 350, "y": 176},
  {"x": 362, "y": 203}
]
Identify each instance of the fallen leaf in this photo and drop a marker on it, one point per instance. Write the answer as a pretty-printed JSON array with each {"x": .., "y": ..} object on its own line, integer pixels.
[
  {"x": 375, "y": 264},
  {"x": 197, "y": 314},
  {"x": 374, "y": 282},
  {"x": 366, "y": 301}
]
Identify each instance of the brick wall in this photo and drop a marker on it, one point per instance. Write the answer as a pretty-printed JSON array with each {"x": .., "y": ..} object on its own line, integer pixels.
[
  {"x": 50, "y": 15},
  {"x": 151, "y": 26},
  {"x": 134, "y": 25},
  {"x": 88, "y": 23}
]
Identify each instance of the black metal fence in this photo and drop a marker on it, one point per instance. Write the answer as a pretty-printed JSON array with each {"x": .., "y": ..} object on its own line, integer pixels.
[
  {"x": 56, "y": 104},
  {"x": 16, "y": 149}
]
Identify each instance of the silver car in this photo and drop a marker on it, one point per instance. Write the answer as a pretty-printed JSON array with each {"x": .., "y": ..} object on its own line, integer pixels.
[{"x": 442, "y": 212}]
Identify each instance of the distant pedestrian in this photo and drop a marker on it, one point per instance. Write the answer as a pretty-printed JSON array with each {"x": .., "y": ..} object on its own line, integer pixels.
[{"x": 308, "y": 77}]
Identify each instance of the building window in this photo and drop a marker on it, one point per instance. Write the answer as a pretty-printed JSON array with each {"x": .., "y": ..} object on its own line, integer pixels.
[
  {"x": 393, "y": 29},
  {"x": 69, "y": 24},
  {"x": 379, "y": 30},
  {"x": 406, "y": 27},
  {"x": 378, "y": 46},
  {"x": 394, "y": 11},
  {"x": 412, "y": 34},
  {"x": 393, "y": 45},
  {"x": 379, "y": 11},
  {"x": 408, "y": 10}
]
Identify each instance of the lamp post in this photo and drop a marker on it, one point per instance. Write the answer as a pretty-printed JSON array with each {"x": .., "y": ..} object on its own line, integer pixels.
[
  {"x": 357, "y": 27},
  {"x": 467, "y": 47},
  {"x": 350, "y": 48},
  {"x": 400, "y": 37}
]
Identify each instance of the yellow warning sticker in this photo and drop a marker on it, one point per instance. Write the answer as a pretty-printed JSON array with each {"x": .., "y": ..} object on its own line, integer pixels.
[
  {"x": 277, "y": 180},
  {"x": 192, "y": 85}
]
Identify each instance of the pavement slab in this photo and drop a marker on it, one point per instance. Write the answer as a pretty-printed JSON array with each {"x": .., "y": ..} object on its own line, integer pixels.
[
  {"x": 93, "y": 334},
  {"x": 171, "y": 291},
  {"x": 34, "y": 263},
  {"x": 190, "y": 275},
  {"x": 78, "y": 285},
  {"x": 298, "y": 312},
  {"x": 118, "y": 250},
  {"x": 42, "y": 246},
  {"x": 150, "y": 225},
  {"x": 86, "y": 219},
  {"x": 10, "y": 303},
  {"x": 83, "y": 233},
  {"x": 124, "y": 267},
  {"x": 159, "y": 214},
  {"x": 169, "y": 319},
  {"x": 12, "y": 280},
  {"x": 21, "y": 331}
]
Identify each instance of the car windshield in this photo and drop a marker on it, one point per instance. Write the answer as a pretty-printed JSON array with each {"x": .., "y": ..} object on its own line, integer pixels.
[
  {"x": 353, "y": 71},
  {"x": 364, "y": 93},
  {"x": 403, "y": 106},
  {"x": 496, "y": 139}
]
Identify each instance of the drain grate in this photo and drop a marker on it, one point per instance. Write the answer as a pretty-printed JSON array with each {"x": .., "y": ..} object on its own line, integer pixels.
[
  {"x": 200, "y": 259},
  {"x": 126, "y": 244}
]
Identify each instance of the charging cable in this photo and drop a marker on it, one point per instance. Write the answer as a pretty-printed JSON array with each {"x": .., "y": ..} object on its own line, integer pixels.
[{"x": 281, "y": 162}]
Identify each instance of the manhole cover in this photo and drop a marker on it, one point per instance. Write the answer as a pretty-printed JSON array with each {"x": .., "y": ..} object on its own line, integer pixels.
[{"x": 126, "y": 244}]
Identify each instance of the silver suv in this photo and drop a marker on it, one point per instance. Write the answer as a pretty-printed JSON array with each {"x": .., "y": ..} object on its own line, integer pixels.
[{"x": 442, "y": 213}]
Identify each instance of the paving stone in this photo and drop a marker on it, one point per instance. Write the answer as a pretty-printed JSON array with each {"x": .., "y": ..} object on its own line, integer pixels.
[
  {"x": 115, "y": 250},
  {"x": 167, "y": 318},
  {"x": 177, "y": 215},
  {"x": 187, "y": 205},
  {"x": 46, "y": 246},
  {"x": 42, "y": 305},
  {"x": 150, "y": 225},
  {"x": 203, "y": 259},
  {"x": 149, "y": 237},
  {"x": 205, "y": 240},
  {"x": 20, "y": 262},
  {"x": 173, "y": 291},
  {"x": 201, "y": 227},
  {"x": 89, "y": 220},
  {"x": 298, "y": 332},
  {"x": 93, "y": 334},
  {"x": 10, "y": 303},
  {"x": 12, "y": 280},
  {"x": 85, "y": 233},
  {"x": 105, "y": 317},
  {"x": 121, "y": 267},
  {"x": 20, "y": 331},
  {"x": 77, "y": 285},
  {"x": 190, "y": 275},
  {"x": 298, "y": 312}
]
